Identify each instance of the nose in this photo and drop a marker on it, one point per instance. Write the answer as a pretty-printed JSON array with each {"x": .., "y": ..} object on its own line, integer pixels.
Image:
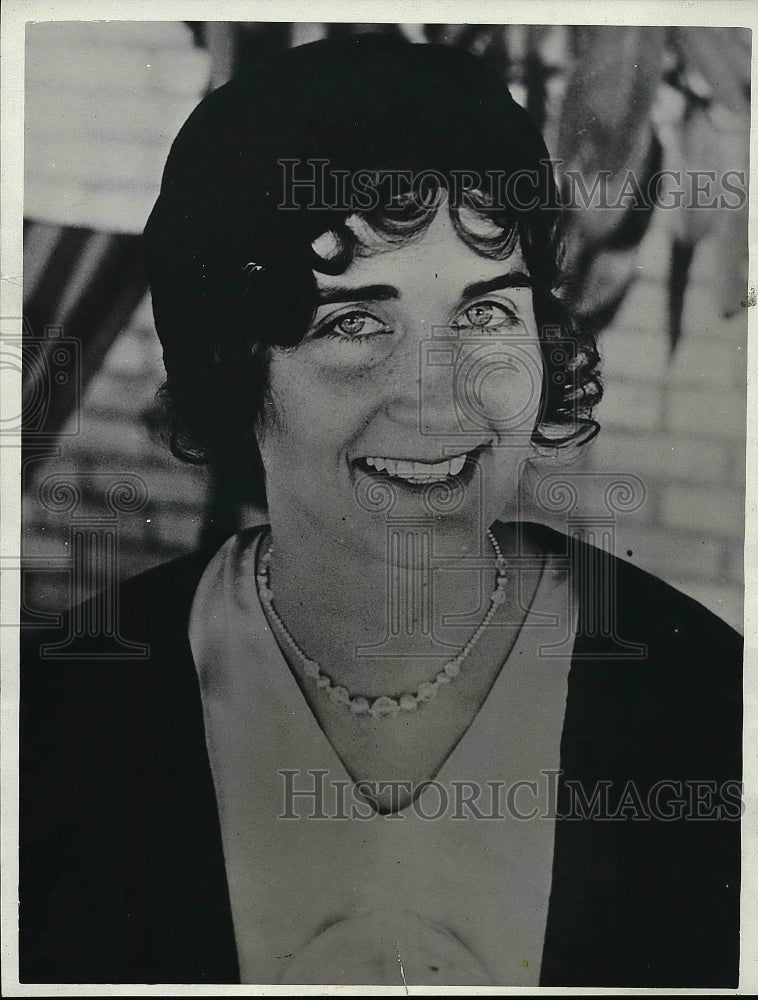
[
  {"x": 448, "y": 382},
  {"x": 421, "y": 390}
]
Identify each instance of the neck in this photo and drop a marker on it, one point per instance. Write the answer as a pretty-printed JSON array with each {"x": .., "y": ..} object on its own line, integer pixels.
[{"x": 374, "y": 615}]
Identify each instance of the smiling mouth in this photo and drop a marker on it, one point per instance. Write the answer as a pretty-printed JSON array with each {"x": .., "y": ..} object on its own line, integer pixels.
[{"x": 419, "y": 473}]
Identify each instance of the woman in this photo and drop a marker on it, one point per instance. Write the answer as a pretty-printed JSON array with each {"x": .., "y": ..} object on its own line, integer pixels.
[{"x": 394, "y": 735}]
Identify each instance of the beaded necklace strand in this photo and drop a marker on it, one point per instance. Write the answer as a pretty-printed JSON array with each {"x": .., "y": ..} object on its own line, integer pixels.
[{"x": 384, "y": 706}]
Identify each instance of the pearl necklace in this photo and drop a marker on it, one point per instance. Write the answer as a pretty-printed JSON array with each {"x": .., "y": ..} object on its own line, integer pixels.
[{"x": 384, "y": 706}]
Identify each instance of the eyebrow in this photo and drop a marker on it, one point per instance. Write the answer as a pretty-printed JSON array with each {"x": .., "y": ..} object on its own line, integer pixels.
[
  {"x": 514, "y": 279},
  {"x": 364, "y": 293},
  {"x": 380, "y": 293}
]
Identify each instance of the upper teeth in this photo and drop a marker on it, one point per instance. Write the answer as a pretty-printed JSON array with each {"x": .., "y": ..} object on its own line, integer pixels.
[{"x": 418, "y": 472}]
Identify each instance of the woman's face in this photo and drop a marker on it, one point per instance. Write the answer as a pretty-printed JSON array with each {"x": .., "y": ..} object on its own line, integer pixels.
[{"x": 417, "y": 387}]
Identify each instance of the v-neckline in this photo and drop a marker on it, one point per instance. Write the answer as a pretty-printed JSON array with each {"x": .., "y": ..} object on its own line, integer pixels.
[{"x": 275, "y": 663}]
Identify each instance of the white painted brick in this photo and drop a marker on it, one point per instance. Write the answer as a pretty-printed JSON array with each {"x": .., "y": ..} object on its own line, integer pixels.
[
  {"x": 591, "y": 505},
  {"x": 735, "y": 562},
  {"x": 114, "y": 396},
  {"x": 630, "y": 405},
  {"x": 178, "y": 530},
  {"x": 45, "y": 591},
  {"x": 643, "y": 309},
  {"x": 137, "y": 118},
  {"x": 711, "y": 510},
  {"x": 44, "y": 535},
  {"x": 665, "y": 457},
  {"x": 58, "y": 36},
  {"x": 723, "y": 600},
  {"x": 629, "y": 352},
  {"x": 71, "y": 203},
  {"x": 76, "y": 56},
  {"x": 711, "y": 413},
  {"x": 124, "y": 164},
  {"x": 122, "y": 103},
  {"x": 186, "y": 85},
  {"x": 706, "y": 263},
  {"x": 136, "y": 560},
  {"x": 117, "y": 443},
  {"x": 136, "y": 351},
  {"x": 634, "y": 348},
  {"x": 62, "y": 465},
  {"x": 738, "y": 465},
  {"x": 142, "y": 319},
  {"x": 178, "y": 485},
  {"x": 668, "y": 553},
  {"x": 702, "y": 318},
  {"x": 702, "y": 362},
  {"x": 653, "y": 257},
  {"x": 156, "y": 526}
]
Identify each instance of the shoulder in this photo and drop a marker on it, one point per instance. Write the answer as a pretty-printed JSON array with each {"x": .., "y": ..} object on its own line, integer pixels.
[
  {"x": 652, "y": 668},
  {"x": 632, "y": 596},
  {"x": 649, "y": 649},
  {"x": 128, "y": 621},
  {"x": 112, "y": 766},
  {"x": 111, "y": 663},
  {"x": 114, "y": 674}
]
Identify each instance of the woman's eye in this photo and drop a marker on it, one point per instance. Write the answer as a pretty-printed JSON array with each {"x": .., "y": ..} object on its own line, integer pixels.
[
  {"x": 486, "y": 316},
  {"x": 352, "y": 326}
]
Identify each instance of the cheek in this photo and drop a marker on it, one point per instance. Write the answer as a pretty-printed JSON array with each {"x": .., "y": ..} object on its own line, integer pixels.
[
  {"x": 314, "y": 407},
  {"x": 502, "y": 382}
]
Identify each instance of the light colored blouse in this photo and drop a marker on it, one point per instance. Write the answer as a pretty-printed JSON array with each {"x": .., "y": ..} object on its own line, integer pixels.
[{"x": 451, "y": 890}]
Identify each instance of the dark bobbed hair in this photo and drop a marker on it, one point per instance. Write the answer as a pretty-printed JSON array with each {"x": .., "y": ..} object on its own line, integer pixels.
[{"x": 231, "y": 271}]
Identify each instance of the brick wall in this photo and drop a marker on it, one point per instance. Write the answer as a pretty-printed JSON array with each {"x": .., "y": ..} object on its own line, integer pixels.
[
  {"x": 676, "y": 425},
  {"x": 679, "y": 425},
  {"x": 103, "y": 104},
  {"x": 114, "y": 443}
]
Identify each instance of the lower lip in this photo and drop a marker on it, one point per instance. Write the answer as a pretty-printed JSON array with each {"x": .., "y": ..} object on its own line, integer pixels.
[{"x": 464, "y": 477}]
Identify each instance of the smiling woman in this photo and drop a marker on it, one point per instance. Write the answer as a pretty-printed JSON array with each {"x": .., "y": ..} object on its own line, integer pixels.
[{"x": 381, "y": 365}]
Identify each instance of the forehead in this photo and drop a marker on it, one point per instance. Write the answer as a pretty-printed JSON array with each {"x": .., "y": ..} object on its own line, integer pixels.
[{"x": 437, "y": 255}]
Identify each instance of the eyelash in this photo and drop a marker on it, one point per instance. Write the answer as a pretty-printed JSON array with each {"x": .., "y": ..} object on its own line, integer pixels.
[
  {"x": 328, "y": 329},
  {"x": 511, "y": 317}
]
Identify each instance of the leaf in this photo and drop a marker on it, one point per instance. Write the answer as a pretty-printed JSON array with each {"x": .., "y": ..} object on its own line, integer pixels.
[
  {"x": 720, "y": 56},
  {"x": 609, "y": 95},
  {"x": 607, "y": 134}
]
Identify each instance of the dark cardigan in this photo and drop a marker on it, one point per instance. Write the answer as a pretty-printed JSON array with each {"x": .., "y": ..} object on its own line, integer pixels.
[{"x": 122, "y": 871}]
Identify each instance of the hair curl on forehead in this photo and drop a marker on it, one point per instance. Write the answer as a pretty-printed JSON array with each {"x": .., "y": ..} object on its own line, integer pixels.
[{"x": 233, "y": 254}]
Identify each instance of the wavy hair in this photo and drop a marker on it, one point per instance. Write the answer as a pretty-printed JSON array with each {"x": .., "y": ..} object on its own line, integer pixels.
[{"x": 214, "y": 304}]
